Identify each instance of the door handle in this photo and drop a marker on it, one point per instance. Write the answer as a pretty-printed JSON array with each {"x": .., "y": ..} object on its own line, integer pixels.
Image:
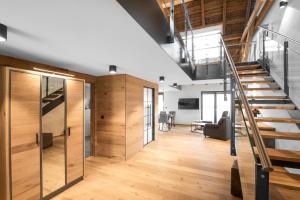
[
  {"x": 37, "y": 138},
  {"x": 69, "y": 131}
]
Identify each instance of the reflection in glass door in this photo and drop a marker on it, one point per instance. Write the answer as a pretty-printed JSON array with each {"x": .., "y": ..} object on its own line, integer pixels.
[{"x": 148, "y": 115}]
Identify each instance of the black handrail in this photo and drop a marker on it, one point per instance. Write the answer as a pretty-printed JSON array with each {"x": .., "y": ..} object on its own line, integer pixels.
[{"x": 260, "y": 146}]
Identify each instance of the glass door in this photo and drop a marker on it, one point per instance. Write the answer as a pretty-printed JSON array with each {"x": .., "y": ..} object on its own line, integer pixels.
[
  {"x": 222, "y": 105},
  {"x": 213, "y": 105},
  {"x": 208, "y": 107},
  {"x": 148, "y": 115}
]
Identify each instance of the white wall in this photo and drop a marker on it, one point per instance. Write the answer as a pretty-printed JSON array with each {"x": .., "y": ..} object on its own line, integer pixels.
[{"x": 188, "y": 91}]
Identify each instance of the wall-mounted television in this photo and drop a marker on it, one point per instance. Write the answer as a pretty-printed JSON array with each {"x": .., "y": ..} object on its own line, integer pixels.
[{"x": 188, "y": 104}]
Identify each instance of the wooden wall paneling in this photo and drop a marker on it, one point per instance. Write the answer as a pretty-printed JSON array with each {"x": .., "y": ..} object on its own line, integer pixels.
[
  {"x": 75, "y": 126},
  {"x": 134, "y": 115},
  {"x": 4, "y": 175},
  {"x": 25, "y": 128},
  {"x": 119, "y": 107},
  {"x": 29, "y": 65},
  {"x": 110, "y": 116}
]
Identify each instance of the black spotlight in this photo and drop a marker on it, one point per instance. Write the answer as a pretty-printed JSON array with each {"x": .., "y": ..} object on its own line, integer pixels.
[
  {"x": 112, "y": 69},
  {"x": 283, "y": 3},
  {"x": 161, "y": 79},
  {"x": 3, "y": 33},
  {"x": 175, "y": 84}
]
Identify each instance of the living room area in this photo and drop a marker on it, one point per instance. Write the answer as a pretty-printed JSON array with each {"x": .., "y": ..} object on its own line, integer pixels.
[{"x": 202, "y": 108}]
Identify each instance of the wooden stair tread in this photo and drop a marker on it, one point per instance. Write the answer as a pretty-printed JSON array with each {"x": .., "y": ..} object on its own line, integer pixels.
[
  {"x": 243, "y": 67},
  {"x": 282, "y": 155},
  {"x": 280, "y": 177},
  {"x": 253, "y": 76},
  {"x": 275, "y": 107},
  {"x": 267, "y": 97},
  {"x": 263, "y": 127},
  {"x": 262, "y": 89},
  {"x": 251, "y": 72},
  {"x": 277, "y": 119},
  {"x": 257, "y": 81},
  {"x": 280, "y": 135}
]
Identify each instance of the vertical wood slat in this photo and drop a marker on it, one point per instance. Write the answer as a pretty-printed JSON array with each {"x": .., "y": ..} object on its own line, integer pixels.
[
  {"x": 4, "y": 175},
  {"x": 75, "y": 129},
  {"x": 25, "y": 126}
]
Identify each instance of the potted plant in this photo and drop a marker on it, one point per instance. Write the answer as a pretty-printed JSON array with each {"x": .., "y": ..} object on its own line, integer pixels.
[{"x": 255, "y": 112}]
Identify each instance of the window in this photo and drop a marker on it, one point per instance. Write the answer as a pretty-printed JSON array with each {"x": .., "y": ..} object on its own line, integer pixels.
[
  {"x": 160, "y": 102},
  {"x": 213, "y": 105},
  {"x": 206, "y": 46}
]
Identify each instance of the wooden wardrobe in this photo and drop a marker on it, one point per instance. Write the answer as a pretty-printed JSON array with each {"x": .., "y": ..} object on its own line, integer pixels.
[{"x": 20, "y": 134}]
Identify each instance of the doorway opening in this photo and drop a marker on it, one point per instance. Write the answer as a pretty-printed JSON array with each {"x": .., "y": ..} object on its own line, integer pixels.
[{"x": 88, "y": 117}]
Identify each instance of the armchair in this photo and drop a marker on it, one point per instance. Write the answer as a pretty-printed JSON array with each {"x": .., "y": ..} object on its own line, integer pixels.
[{"x": 219, "y": 130}]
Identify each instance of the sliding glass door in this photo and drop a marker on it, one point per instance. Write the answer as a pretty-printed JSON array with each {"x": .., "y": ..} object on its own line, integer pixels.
[
  {"x": 208, "y": 107},
  {"x": 148, "y": 115},
  {"x": 213, "y": 104}
]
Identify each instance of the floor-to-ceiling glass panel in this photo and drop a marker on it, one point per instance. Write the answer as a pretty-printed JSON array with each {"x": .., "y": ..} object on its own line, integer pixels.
[
  {"x": 208, "y": 107},
  {"x": 148, "y": 115},
  {"x": 222, "y": 104}
]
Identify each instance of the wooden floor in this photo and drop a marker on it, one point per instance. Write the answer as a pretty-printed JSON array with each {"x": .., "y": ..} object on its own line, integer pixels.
[{"x": 180, "y": 165}]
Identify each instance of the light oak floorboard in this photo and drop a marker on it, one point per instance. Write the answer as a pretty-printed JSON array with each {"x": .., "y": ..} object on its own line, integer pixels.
[{"x": 179, "y": 165}]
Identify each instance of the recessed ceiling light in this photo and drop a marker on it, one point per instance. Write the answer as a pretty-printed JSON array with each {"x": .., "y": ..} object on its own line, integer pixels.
[
  {"x": 161, "y": 79},
  {"x": 112, "y": 69},
  {"x": 3, "y": 33}
]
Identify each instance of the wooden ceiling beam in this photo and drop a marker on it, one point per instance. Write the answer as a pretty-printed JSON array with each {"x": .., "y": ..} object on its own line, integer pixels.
[
  {"x": 202, "y": 12},
  {"x": 252, "y": 18},
  {"x": 232, "y": 37},
  {"x": 176, "y": 2},
  {"x": 248, "y": 9},
  {"x": 224, "y": 16}
]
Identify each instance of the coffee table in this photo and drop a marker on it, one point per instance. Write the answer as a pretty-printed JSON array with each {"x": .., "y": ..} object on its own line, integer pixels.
[{"x": 198, "y": 125}]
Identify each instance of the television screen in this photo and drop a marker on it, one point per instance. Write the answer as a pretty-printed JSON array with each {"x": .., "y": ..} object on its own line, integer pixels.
[{"x": 188, "y": 104}]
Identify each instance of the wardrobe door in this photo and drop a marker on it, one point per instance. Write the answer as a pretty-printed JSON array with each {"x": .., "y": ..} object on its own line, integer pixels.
[
  {"x": 75, "y": 124},
  {"x": 24, "y": 135}
]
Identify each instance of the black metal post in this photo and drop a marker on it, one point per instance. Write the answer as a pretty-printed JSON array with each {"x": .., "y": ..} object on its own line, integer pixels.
[
  {"x": 232, "y": 122},
  {"x": 261, "y": 183},
  {"x": 286, "y": 68},
  {"x": 172, "y": 26},
  {"x": 264, "y": 50},
  {"x": 47, "y": 86}
]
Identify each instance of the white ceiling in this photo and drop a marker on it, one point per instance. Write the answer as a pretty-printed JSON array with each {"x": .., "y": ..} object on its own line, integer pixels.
[{"x": 84, "y": 36}]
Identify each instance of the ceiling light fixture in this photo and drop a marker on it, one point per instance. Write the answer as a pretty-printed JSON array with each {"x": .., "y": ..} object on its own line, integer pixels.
[
  {"x": 3, "y": 33},
  {"x": 52, "y": 72},
  {"x": 283, "y": 3},
  {"x": 161, "y": 79},
  {"x": 112, "y": 69}
]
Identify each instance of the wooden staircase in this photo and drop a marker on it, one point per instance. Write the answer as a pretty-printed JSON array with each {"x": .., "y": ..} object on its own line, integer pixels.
[
  {"x": 52, "y": 100},
  {"x": 255, "y": 79}
]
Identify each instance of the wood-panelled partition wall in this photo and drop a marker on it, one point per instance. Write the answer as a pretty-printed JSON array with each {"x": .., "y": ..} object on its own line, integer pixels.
[{"x": 119, "y": 114}]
